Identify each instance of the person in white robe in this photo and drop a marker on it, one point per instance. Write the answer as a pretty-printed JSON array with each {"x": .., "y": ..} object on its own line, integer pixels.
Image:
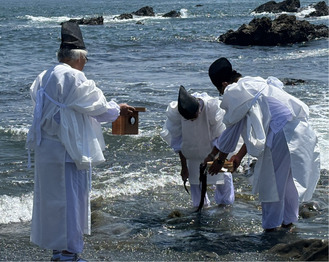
[
  {"x": 67, "y": 141},
  {"x": 193, "y": 123},
  {"x": 275, "y": 129}
]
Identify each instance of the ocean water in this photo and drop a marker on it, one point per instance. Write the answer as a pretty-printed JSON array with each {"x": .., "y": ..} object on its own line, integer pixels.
[{"x": 137, "y": 191}]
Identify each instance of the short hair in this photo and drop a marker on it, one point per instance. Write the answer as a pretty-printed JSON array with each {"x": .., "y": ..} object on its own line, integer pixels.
[{"x": 70, "y": 54}]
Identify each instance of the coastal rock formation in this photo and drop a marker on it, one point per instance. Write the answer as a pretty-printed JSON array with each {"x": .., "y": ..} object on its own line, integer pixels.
[
  {"x": 172, "y": 14},
  {"x": 274, "y": 7},
  {"x": 321, "y": 9},
  {"x": 285, "y": 29},
  {"x": 144, "y": 11},
  {"x": 303, "y": 250},
  {"x": 147, "y": 11},
  {"x": 89, "y": 21},
  {"x": 124, "y": 16}
]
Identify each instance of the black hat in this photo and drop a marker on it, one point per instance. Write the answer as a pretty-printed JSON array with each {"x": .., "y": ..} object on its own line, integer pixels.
[
  {"x": 188, "y": 105},
  {"x": 71, "y": 36},
  {"x": 220, "y": 71}
]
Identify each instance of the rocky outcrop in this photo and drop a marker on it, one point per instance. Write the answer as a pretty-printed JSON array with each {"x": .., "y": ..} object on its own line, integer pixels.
[
  {"x": 172, "y": 14},
  {"x": 144, "y": 11},
  {"x": 321, "y": 9},
  {"x": 89, "y": 21},
  {"x": 147, "y": 11},
  {"x": 285, "y": 29},
  {"x": 124, "y": 16},
  {"x": 274, "y": 7}
]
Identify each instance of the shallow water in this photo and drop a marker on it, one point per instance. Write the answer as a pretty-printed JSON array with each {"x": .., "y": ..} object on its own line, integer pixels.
[{"x": 137, "y": 190}]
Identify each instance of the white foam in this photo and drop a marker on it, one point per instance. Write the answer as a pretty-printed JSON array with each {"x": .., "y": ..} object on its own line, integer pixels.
[
  {"x": 297, "y": 54},
  {"x": 43, "y": 19},
  {"x": 15, "y": 209},
  {"x": 304, "y": 12},
  {"x": 184, "y": 13},
  {"x": 120, "y": 183}
]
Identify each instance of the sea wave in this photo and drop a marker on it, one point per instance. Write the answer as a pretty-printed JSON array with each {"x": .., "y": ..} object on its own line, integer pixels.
[
  {"x": 108, "y": 19},
  {"x": 301, "y": 14},
  {"x": 115, "y": 181},
  {"x": 14, "y": 131},
  {"x": 43, "y": 19},
  {"x": 109, "y": 183},
  {"x": 296, "y": 54}
]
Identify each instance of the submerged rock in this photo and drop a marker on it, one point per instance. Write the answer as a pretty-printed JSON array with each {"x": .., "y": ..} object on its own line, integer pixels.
[
  {"x": 309, "y": 209},
  {"x": 274, "y": 7},
  {"x": 285, "y": 29},
  {"x": 292, "y": 81},
  {"x": 303, "y": 250},
  {"x": 174, "y": 214}
]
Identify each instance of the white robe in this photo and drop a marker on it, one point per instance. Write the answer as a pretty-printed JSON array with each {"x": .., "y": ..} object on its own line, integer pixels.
[
  {"x": 195, "y": 140},
  {"x": 64, "y": 130},
  {"x": 263, "y": 108}
]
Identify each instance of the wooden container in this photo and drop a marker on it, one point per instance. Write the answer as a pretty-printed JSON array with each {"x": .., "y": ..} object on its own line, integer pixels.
[
  {"x": 227, "y": 165},
  {"x": 127, "y": 125}
]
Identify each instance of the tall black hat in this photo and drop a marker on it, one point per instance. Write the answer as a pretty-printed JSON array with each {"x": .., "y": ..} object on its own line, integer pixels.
[
  {"x": 220, "y": 71},
  {"x": 188, "y": 105},
  {"x": 72, "y": 36}
]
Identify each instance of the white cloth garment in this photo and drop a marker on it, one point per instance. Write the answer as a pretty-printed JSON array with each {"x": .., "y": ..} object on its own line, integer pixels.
[
  {"x": 78, "y": 102},
  {"x": 259, "y": 109},
  {"x": 194, "y": 138},
  {"x": 67, "y": 139}
]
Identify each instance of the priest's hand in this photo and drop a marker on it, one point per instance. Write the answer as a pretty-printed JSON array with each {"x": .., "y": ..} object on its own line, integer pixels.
[
  {"x": 216, "y": 167},
  {"x": 209, "y": 158},
  {"x": 236, "y": 159},
  {"x": 126, "y": 110}
]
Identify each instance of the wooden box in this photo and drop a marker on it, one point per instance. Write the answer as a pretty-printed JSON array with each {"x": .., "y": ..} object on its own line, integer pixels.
[
  {"x": 127, "y": 125},
  {"x": 227, "y": 165}
]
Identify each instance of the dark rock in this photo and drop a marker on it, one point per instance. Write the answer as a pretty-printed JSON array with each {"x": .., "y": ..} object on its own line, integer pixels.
[
  {"x": 274, "y": 7},
  {"x": 285, "y": 29},
  {"x": 89, "y": 21},
  {"x": 172, "y": 14},
  {"x": 144, "y": 11},
  {"x": 321, "y": 9},
  {"x": 124, "y": 16},
  {"x": 292, "y": 82},
  {"x": 309, "y": 209},
  {"x": 303, "y": 250}
]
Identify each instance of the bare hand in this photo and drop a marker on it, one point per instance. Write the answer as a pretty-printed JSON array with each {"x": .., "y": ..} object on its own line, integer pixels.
[
  {"x": 236, "y": 161},
  {"x": 126, "y": 110},
  {"x": 215, "y": 168},
  {"x": 207, "y": 159}
]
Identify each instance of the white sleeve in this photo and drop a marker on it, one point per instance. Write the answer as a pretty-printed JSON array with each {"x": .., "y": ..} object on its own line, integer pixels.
[
  {"x": 172, "y": 129},
  {"x": 229, "y": 139},
  {"x": 111, "y": 114}
]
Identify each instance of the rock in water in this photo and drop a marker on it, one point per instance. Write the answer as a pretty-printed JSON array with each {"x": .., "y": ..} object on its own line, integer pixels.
[{"x": 285, "y": 29}]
